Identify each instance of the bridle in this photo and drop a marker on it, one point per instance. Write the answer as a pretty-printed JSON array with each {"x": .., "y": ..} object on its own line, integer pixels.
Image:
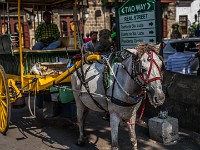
[
  {"x": 152, "y": 61},
  {"x": 137, "y": 73}
]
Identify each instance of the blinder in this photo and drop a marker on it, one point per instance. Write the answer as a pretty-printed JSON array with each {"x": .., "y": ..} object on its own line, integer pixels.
[{"x": 137, "y": 67}]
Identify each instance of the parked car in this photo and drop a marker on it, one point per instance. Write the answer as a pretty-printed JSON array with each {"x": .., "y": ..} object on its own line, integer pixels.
[{"x": 192, "y": 45}]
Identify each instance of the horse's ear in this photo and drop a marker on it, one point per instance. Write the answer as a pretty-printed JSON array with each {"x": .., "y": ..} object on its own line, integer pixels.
[{"x": 131, "y": 51}]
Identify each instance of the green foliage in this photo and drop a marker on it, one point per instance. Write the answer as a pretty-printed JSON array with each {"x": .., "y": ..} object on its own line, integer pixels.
[
  {"x": 104, "y": 1},
  {"x": 192, "y": 29}
]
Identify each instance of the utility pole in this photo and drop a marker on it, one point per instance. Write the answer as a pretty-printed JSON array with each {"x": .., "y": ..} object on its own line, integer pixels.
[
  {"x": 117, "y": 23},
  {"x": 159, "y": 22}
]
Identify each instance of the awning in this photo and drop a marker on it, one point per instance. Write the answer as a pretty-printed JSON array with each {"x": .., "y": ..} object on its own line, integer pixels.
[{"x": 168, "y": 1}]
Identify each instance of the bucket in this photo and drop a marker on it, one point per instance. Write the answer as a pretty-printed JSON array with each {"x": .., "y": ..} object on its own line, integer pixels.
[
  {"x": 68, "y": 110},
  {"x": 65, "y": 95}
]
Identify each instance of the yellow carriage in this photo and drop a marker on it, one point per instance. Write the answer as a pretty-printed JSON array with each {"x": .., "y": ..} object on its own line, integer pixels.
[{"x": 15, "y": 78}]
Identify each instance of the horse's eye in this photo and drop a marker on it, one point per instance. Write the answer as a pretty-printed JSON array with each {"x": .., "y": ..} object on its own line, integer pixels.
[
  {"x": 144, "y": 69},
  {"x": 149, "y": 58}
]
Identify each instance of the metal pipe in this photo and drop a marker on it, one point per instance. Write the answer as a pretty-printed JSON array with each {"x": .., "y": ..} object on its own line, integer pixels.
[
  {"x": 117, "y": 24},
  {"x": 7, "y": 11},
  {"x": 20, "y": 45},
  {"x": 38, "y": 16},
  {"x": 33, "y": 24},
  {"x": 75, "y": 23},
  {"x": 45, "y": 83}
]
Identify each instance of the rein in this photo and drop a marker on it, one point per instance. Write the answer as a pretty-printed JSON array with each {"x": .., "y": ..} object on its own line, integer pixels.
[{"x": 81, "y": 77}]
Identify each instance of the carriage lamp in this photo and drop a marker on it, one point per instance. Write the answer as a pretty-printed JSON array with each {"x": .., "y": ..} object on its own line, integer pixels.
[
  {"x": 169, "y": 13},
  {"x": 85, "y": 14}
]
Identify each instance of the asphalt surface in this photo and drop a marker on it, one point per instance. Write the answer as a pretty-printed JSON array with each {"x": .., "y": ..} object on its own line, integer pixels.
[{"x": 60, "y": 133}]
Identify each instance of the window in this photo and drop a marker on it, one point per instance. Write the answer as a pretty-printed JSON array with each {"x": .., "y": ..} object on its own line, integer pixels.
[
  {"x": 64, "y": 28},
  {"x": 183, "y": 23}
]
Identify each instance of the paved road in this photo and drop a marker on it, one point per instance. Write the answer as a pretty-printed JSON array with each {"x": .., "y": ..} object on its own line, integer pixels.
[{"x": 61, "y": 134}]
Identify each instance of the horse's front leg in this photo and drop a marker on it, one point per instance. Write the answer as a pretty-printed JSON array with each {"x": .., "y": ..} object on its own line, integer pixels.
[
  {"x": 114, "y": 124},
  {"x": 132, "y": 134},
  {"x": 131, "y": 127},
  {"x": 82, "y": 112}
]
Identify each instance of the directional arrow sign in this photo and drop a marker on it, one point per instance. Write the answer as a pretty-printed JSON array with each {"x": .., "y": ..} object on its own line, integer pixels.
[
  {"x": 136, "y": 25},
  {"x": 131, "y": 6},
  {"x": 133, "y": 41},
  {"x": 137, "y": 33},
  {"x": 137, "y": 22},
  {"x": 151, "y": 32}
]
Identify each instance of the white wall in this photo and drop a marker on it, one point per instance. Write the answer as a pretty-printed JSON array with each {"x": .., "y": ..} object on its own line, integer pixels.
[{"x": 190, "y": 11}]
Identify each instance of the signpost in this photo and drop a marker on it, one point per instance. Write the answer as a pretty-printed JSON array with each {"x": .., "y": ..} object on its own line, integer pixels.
[{"x": 137, "y": 23}]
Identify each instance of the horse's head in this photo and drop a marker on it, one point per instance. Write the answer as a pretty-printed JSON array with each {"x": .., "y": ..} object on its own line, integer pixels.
[
  {"x": 104, "y": 39},
  {"x": 146, "y": 70}
]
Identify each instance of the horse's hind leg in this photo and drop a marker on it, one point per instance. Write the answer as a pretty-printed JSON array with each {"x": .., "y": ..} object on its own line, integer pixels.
[
  {"x": 82, "y": 112},
  {"x": 114, "y": 124}
]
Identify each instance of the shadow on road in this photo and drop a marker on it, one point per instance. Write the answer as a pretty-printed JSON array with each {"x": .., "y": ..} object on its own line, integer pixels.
[{"x": 61, "y": 133}]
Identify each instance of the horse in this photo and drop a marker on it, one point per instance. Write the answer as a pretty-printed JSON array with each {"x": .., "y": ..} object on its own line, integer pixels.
[{"x": 137, "y": 76}]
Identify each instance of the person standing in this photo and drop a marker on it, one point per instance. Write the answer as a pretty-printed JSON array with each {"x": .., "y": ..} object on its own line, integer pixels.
[
  {"x": 87, "y": 39},
  {"x": 175, "y": 32},
  {"x": 47, "y": 34},
  {"x": 181, "y": 62},
  {"x": 93, "y": 43}
]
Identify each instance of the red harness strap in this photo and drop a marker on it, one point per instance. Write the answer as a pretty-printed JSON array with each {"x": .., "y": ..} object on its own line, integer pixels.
[
  {"x": 147, "y": 80},
  {"x": 141, "y": 114}
]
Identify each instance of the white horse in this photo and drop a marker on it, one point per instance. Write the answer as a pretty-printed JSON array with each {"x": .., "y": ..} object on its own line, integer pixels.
[{"x": 139, "y": 73}]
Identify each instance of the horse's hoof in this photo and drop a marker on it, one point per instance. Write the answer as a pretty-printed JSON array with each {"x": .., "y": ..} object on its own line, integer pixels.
[
  {"x": 114, "y": 148},
  {"x": 134, "y": 148},
  {"x": 80, "y": 143}
]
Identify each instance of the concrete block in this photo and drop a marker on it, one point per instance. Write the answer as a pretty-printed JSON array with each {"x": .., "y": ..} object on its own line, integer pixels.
[
  {"x": 163, "y": 130},
  {"x": 50, "y": 109}
]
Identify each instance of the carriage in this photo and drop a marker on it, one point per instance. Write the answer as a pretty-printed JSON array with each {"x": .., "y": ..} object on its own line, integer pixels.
[{"x": 15, "y": 63}]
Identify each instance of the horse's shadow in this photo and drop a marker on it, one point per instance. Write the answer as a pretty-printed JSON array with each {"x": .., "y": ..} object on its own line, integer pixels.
[{"x": 61, "y": 133}]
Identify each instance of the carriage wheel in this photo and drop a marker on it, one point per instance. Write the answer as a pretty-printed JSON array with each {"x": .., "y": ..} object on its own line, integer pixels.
[{"x": 4, "y": 102}]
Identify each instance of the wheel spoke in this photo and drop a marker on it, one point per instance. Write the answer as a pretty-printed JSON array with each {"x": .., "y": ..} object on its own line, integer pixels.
[
  {"x": 4, "y": 113},
  {"x": 2, "y": 121},
  {"x": 4, "y": 102},
  {"x": 2, "y": 97}
]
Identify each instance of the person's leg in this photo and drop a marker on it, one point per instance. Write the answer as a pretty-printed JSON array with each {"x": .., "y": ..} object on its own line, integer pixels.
[
  {"x": 53, "y": 45},
  {"x": 38, "y": 46}
]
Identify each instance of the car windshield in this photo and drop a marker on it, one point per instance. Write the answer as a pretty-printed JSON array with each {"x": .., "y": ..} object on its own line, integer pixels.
[{"x": 190, "y": 46}]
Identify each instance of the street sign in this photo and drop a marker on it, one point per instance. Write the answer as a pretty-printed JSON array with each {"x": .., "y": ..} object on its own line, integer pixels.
[{"x": 137, "y": 23}]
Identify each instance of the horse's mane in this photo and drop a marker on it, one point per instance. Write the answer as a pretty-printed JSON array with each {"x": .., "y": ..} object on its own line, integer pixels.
[{"x": 142, "y": 48}]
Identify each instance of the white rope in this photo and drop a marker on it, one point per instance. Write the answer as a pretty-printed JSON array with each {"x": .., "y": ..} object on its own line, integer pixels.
[{"x": 29, "y": 106}]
